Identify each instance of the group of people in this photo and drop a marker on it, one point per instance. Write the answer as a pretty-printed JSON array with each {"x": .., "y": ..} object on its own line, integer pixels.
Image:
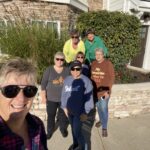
[
  {"x": 80, "y": 79},
  {"x": 71, "y": 88}
]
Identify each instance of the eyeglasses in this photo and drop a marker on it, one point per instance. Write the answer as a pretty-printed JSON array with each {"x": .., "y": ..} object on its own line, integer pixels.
[
  {"x": 11, "y": 91},
  {"x": 74, "y": 37},
  {"x": 80, "y": 57},
  {"x": 77, "y": 69},
  {"x": 59, "y": 59}
]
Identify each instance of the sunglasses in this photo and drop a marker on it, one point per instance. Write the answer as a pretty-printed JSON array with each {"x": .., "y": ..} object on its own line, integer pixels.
[
  {"x": 11, "y": 91},
  {"x": 74, "y": 37},
  {"x": 80, "y": 57},
  {"x": 59, "y": 59},
  {"x": 77, "y": 69}
]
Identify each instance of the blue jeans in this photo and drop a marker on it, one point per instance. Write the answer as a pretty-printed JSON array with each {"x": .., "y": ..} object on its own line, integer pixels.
[
  {"x": 102, "y": 108},
  {"x": 76, "y": 127}
]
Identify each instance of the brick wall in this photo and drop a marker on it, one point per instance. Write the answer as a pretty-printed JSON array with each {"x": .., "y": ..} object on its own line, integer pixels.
[
  {"x": 95, "y": 5},
  {"x": 129, "y": 99},
  {"x": 42, "y": 11},
  {"x": 126, "y": 100}
]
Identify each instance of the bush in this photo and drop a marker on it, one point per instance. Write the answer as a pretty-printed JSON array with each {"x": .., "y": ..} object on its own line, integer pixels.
[
  {"x": 38, "y": 44},
  {"x": 119, "y": 31},
  {"x": 21, "y": 38}
]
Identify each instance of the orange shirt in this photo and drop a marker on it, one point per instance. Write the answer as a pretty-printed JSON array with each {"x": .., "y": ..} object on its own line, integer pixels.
[{"x": 102, "y": 74}]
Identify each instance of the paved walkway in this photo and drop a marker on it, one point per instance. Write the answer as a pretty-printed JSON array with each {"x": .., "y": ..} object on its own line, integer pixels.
[{"x": 124, "y": 134}]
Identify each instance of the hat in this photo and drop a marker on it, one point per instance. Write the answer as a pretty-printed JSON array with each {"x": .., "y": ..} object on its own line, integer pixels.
[{"x": 75, "y": 63}]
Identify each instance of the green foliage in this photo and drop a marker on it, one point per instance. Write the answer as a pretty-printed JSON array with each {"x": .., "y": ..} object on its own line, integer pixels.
[
  {"x": 119, "y": 31},
  {"x": 39, "y": 44}
]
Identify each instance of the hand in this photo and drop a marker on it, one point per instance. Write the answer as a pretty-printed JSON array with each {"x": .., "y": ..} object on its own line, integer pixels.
[
  {"x": 83, "y": 117},
  {"x": 106, "y": 94},
  {"x": 66, "y": 112}
]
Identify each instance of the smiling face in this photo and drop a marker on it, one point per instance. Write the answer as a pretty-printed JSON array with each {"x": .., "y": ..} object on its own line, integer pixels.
[
  {"x": 80, "y": 57},
  {"x": 99, "y": 56},
  {"x": 19, "y": 106},
  {"x": 76, "y": 72},
  {"x": 90, "y": 37}
]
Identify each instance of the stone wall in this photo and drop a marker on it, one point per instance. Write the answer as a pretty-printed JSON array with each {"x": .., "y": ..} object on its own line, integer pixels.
[
  {"x": 129, "y": 99},
  {"x": 126, "y": 100},
  {"x": 64, "y": 13},
  {"x": 95, "y": 5}
]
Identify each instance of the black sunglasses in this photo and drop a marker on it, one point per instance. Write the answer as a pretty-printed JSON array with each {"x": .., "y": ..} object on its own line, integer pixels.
[
  {"x": 11, "y": 91},
  {"x": 61, "y": 59},
  {"x": 80, "y": 57},
  {"x": 77, "y": 69},
  {"x": 74, "y": 37}
]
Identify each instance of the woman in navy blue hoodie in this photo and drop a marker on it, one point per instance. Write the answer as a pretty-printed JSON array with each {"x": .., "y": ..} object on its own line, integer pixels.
[{"x": 77, "y": 102}]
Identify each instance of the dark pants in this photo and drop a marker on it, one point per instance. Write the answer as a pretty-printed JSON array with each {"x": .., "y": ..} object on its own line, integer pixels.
[
  {"x": 61, "y": 117},
  {"x": 76, "y": 127}
]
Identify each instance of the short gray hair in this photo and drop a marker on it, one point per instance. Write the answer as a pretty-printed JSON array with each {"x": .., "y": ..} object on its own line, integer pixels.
[
  {"x": 19, "y": 67},
  {"x": 59, "y": 54},
  {"x": 99, "y": 50}
]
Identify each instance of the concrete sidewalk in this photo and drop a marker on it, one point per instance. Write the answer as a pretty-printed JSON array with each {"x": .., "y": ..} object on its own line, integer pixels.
[{"x": 124, "y": 134}]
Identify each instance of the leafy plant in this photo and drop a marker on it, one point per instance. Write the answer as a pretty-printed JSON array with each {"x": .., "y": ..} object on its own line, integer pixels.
[{"x": 119, "y": 31}]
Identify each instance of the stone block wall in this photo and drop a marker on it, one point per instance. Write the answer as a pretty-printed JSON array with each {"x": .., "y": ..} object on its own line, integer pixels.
[
  {"x": 47, "y": 11},
  {"x": 126, "y": 100},
  {"x": 95, "y": 5},
  {"x": 129, "y": 99}
]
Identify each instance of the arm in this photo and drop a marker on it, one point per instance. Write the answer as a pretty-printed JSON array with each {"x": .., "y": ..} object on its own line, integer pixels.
[
  {"x": 64, "y": 100},
  {"x": 44, "y": 83},
  {"x": 89, "y": 102},
  {"x": 66, "y": 51},
  {"x": 43, "y": 96}
]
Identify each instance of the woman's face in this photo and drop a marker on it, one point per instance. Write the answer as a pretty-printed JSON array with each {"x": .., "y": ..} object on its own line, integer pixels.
[
  {"x": 76, "y": 72},
  {"x": 99, "y": 56},
  {"x": 17, "y": 107},
  {"x": 80, "y": 58},
  {"x": 59, "y": 61},
  {"x": 90, "y": 37},
  {"x": 75, "y": 39}
]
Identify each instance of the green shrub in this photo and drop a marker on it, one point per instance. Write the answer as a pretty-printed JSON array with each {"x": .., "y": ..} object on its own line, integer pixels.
[
  {"x": 119, "y": 31},
  {"x": 39, "y": 44}
]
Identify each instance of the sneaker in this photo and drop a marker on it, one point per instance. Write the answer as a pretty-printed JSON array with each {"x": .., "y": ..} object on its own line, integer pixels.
[
  {"x": 48, "y": 136},
  {"x": 104, "y": 133},
  {"x": 64, "y": 133},
  {"x": 73, "y": 147}
]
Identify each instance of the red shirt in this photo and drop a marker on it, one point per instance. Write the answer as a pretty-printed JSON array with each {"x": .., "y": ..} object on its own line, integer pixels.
[{"x": 11, "y": 141}]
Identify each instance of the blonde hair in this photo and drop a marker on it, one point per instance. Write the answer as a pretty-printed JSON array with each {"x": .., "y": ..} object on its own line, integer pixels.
[{"x": 19, "y": 67}]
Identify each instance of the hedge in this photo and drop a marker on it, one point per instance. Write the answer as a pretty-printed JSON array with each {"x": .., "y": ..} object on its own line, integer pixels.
[{"x": 119, "y": 31}]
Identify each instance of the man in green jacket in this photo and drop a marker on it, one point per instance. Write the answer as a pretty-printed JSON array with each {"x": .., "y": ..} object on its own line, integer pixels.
[{"x": 91, "y": 43}]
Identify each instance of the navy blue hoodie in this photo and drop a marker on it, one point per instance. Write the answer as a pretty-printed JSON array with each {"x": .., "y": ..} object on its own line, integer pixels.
[{"x": 77, "y": 95}]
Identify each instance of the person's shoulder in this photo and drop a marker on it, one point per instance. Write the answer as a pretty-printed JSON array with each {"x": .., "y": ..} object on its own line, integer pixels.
[
  {"x": 66, "y": 70},
  {"x": 93, "y": 62},
  {"x": 85, "y": 78},
  {"x": 68, "y": 78}
]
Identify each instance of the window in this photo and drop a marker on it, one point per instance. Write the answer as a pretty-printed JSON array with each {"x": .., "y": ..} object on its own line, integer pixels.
[{"x": 54, "y": 25}]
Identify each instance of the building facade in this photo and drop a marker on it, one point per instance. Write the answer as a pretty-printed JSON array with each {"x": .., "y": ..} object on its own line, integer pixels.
[
  {"x": 141, "y": 9},
  {"x": 54, "y": 13}
]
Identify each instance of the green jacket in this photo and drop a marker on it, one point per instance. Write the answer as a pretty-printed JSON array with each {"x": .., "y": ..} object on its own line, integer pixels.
[{"x": 90, "y": 48}]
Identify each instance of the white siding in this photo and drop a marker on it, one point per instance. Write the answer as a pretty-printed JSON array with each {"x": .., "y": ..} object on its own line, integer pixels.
[
  {"x": 146, "y": 62},
  {"x": 116, "y": 5}
]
